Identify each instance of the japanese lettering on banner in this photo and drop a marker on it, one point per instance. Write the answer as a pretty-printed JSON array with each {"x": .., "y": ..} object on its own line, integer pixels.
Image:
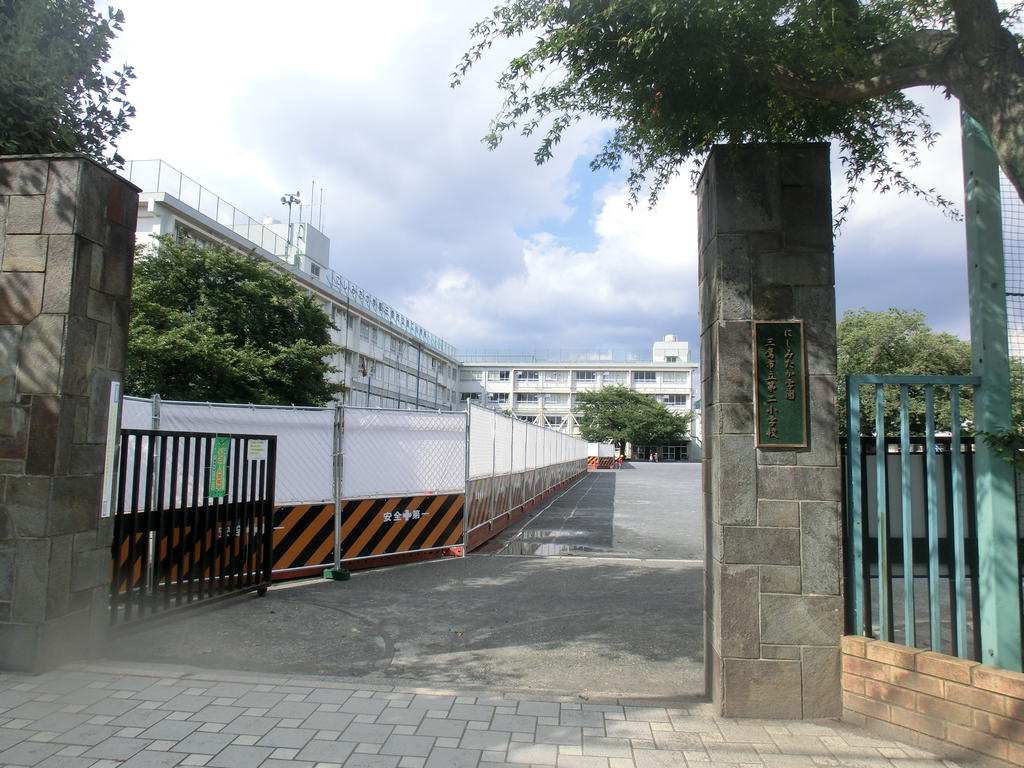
[{"x": 780, "y": 382}]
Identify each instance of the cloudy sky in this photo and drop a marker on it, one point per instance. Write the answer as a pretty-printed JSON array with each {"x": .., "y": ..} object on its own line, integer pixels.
[{"x": 253, "y": 99}]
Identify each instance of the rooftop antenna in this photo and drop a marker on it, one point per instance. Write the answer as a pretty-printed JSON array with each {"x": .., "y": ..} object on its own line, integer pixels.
[{"x": 289, "y": 199}]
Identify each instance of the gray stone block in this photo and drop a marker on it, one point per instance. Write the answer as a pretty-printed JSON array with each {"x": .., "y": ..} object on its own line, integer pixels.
[
  {"x": 735, "y": 480},
  {"x": 62, "y": 196},
  {"x": 807, "y": 217},
  {"x": 790, "y": 652},
  {"x": 6, "y": 571},
  {"x": 79, "y": 499},
  {"x": 78, "y": 355},
  {"x": 780, "y": 579},
  {"x": 761, "y": 688},
  {"x": 733, "y": 278},
  {"x": 10, "y": 340},
  {"x": 772, "y": 302},
  {"x": 18, "y": 642},
  {"x": 734, "y": 359},
  {"x": 23, "y": 176},
  {"x": 735, "y": 418},
  {"x": 760, "y": 546},
  {"x": 63, "y": 274},
  {"x": 778, "y": 514},
  {"x": 21, "y": 297},
  {"x": 822, "y": 691},
  {"x": 89, "y": 569},
  {"x": 824, "y": 448},
  {"x": 58, "y": 582},
  {"x": 24, "y": 253},
  {"x": 793, "y": 268},
  {"x": 24, "y": 214},
  {"x": 821, "y": 548},
  {"x": 44, "y": 435},
  {"x": 27, "y": 505},
  {"x": 13, "y": 424},
  {"x": 738, "y": 622},
  {"x": 39, "y": 359},
  {"x": 91, "y": 207},
  {"x": 799, "y": 483},
  {"x": 746, "y": 189},
  {"x": 801, "y": 620},
  {"x": 101, "y": 305},
  {"x": 31, "y": 573}
]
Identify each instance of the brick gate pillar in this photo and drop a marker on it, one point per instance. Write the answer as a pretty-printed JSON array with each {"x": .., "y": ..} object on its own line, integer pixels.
[
  {"x": 67, "y": 228},
  {"x": 773, "y": 611}
]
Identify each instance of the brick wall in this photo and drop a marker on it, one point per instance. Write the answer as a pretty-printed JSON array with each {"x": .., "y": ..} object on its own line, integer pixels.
[{"x": 933, "y": 698}]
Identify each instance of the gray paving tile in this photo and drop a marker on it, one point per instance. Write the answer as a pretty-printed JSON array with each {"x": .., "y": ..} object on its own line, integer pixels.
[
  {"x": 487, "y": 740},
  {"x": 649, "y": 758},
  {"x": 625, "y": 729},
  {"x": 533, "y": 754},
  {"x": 203, "y": 743},
  {"x": 288, "y": 738},
  {"x": 538, "y": 708},
  {"x": 436, "y": 726},
  {"x": 64, "y": 761},
  {"x": 447, "y": 757},
  {"x": 118, "y": 748},
  {"x": 471, "y": 712},
  {"x": 320, "y": 751},
  {"x": 272, "y": 763},
  {"x": 521, "y": 723},
  {"x": 170, "y": 730},
  {"x": 217, "y": 714},
  {"x": 372, "y": 761},
  {"x": 414, "y": 746},
  {"x": 139, "y": 718},
  {"x": 232, "y": 690},
  {"x": 11, "y": 736},
  {"x": 601, "y": 746},
  {"x": 28, "y": 753},
  {"x": 430, "y": 701},
  {"x": 259, "y": 699},
  {"x": 559, "y": 734},
  {"x": 59, "y": 722},
  {"x": 250, "y": 725},
  {"x": 292, "y": 709},
  {"x": 401, "y": 716},
  {"x": 185, "y": 703},
  {"x": 328, "y": 696},
  {"x": 328, "y": 721},
  {"x": 582, "y": 761},
  {"x": 88, "y": 734},
  {"x": 367, "y": 732},
  {"x": 149, "y": 759},
  {"x": 581, "y": 719},
  {"x": 363, "y": 706},
  {"x": 239, "y": 757},
  {"x": 115, "y": 707}
]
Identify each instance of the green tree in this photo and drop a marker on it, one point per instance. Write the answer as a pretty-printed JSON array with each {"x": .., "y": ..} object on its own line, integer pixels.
[
  {"x": 56, "y": 94},
  {"x": 899, "y": 342},
  {"x": 678, "y": 76},
  {"x": 212, "y": 324},
  {"x": 622, "y": 415}
]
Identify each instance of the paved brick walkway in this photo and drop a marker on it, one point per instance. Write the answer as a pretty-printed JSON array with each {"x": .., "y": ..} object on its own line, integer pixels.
[{"x": 118, "y": 717}]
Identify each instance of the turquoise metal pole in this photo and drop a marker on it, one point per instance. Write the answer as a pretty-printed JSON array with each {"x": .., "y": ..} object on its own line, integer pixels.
[
  {"x": 958, "y": 534},
  {"x": 932, "y": 513},
  {"x": 856, "y": 520},
  {"x": 882, "y": 518},
  {"x": 906, "y": 504},
  {"x": 999, "y": 570}
]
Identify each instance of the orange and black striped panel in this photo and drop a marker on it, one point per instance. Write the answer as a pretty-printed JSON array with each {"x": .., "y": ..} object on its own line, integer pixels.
[
  {"x": 303, "y": 536},
  {"x": 373, "y": 527}
]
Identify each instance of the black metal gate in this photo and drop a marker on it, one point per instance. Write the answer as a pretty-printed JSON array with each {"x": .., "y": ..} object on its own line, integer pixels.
[{"x": 193, "y": 519}]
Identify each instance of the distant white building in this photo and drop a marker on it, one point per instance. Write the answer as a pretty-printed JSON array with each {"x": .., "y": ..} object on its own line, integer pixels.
[
  {"x": 542, "y": 387},
  {"x": 386, "y": 360}
]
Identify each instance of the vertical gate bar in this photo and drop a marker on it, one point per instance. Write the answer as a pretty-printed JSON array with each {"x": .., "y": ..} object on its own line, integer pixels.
[
  {"x": 133, "y": 543},
  {"x": 245, "y": 513},
  {"x": 209, "y": 531},
  {"x": 164, "y": 570},
  {"x": 147, "y": 522},
  {"x": 252, "y": 494},
  {"x": 268, "y": 505},
  {"x": 853, "y": 495},
  {"x": 906, "y": 503},
  {"x": 882, "y": 518},
  {"x": 338, "y": 468},
  {"x": 931, "y": 471},
  {"x": 120, "y": 524},
  {"x": 179, "y": 518},
  {"x": 197, "y": 556},
  {"x": 958, "y": 533},
  {"x": 234, "y": 576}
]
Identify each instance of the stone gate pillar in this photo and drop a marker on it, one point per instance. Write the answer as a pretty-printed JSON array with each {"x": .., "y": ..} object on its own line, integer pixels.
[
  {"x": 773, "y": 608},
  {"x": 67, "y": 228}
]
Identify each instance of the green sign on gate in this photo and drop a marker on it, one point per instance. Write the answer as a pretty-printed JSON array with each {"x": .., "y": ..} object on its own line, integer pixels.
[
  {"x": 218, "y": 480},
  {"x": 780, "y": 384}
]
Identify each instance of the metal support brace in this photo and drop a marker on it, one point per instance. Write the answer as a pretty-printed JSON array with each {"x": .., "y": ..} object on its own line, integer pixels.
[{"x": 999, "y": 579}]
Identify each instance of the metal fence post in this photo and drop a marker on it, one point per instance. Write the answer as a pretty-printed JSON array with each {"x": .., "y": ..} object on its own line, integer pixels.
[
  {"x": 466, "y": 493},
  {"x": 999, "y": 578},
  {"x": 338, "y": 466}
]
